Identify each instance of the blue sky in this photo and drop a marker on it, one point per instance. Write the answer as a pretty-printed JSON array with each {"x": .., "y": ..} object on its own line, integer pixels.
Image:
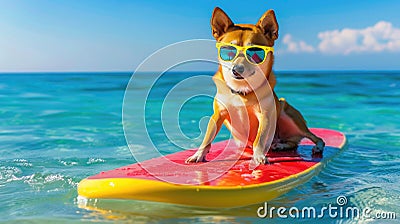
[{"x": 94, "y": 35}]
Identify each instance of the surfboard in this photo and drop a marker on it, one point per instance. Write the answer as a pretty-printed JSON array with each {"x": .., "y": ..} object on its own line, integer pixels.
[{"x": 206, "y": 184}]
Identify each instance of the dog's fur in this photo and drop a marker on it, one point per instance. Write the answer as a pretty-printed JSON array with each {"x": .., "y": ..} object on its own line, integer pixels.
[{"x": 241, "y": 99}]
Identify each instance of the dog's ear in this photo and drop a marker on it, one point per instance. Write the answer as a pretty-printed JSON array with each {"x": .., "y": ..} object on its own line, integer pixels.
[
  {"x": 269, "y": 25},
  {"x": 220, "y": 22}
]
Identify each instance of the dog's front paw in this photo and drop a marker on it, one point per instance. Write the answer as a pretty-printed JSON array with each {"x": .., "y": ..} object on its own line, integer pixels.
[
  {"x": 258, "y": 159},
  {"x": 319, "y": 147},
  {"x": 197, "y": 157}
]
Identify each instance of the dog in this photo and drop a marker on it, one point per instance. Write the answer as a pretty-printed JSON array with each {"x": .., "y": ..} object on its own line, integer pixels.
[{"x": 244, "y": 73}]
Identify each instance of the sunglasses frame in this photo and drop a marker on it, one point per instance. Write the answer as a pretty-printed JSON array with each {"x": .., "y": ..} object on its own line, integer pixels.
[{"x": 243, "y": 49}]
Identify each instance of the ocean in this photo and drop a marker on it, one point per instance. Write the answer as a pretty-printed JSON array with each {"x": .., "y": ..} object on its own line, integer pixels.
[{"x": 58, "y": 128}]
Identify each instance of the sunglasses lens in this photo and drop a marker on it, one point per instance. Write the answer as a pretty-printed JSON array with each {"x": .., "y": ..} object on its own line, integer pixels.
[
  {"x": 255, "y": 55},
  {"x": 227, "y": 53}
]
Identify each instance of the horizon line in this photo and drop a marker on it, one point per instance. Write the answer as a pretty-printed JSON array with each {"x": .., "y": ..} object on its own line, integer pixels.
[{"x": 197, "y": 71}]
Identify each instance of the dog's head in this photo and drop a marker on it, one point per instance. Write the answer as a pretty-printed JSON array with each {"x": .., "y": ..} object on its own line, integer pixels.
[{"x": 239, "y": 71}]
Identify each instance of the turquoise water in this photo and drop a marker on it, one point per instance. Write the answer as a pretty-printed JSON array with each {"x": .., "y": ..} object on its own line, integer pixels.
[{"x": 56, "y": 129}]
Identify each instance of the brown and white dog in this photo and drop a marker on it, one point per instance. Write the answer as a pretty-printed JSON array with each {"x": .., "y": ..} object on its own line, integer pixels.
[{"x": 241, "y": 92}]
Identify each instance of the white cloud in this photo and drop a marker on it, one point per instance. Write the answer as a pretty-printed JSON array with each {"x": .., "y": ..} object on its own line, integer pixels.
[
  {"x": 380, "y": 37},
  {"x": 296, "y": 46}
]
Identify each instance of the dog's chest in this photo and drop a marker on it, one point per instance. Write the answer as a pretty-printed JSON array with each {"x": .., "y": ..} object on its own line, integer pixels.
[{"x": 242, "y": 118}]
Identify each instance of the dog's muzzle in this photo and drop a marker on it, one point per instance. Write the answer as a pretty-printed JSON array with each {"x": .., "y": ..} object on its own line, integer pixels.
[{"x": 237, "y": 71}]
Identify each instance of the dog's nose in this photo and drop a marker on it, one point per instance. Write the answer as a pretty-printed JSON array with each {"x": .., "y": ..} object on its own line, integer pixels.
[{"x": 238, "y": 69}]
